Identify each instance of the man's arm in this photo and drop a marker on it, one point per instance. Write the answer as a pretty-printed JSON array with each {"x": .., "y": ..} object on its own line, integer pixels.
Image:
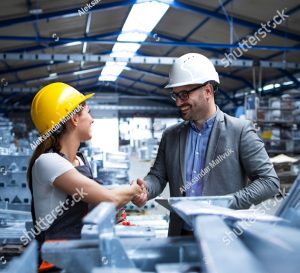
[{"x": 259, "y": 169}]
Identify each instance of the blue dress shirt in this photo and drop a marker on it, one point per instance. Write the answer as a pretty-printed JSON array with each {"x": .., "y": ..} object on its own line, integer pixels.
[{"x": 196, "y": 147}]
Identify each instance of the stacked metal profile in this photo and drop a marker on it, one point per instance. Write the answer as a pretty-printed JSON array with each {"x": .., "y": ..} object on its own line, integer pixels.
[
  {"x": 15, "y": 197},
  {"x": 13, "y": 167},
  {"x": 13, "y": 185},
  {"x": 146, "y": 149},
  {"x": 278, "y": 121},
  {"x": 113, "y": 169},
  {"x": 269, "y": 244}
]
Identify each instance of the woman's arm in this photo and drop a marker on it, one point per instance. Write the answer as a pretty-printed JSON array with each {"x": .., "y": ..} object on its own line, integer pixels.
[{"x": 72, "y": 182}]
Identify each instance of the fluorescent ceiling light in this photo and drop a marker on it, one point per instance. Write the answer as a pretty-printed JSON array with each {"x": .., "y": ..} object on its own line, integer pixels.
[
  {"x": 111, "y": 71},
  {"x": 84, "y": 48},
  {"x": 268, "y": 87},
  {"x": 271, "y": 86},
  {"x": 136, "y": 36},
  {"x": 72, "y": 43},
  {"x": 145, "y": 16},
  {"x": 53, "y": 75},
  {"x": 80, "y": 72},
  {"x": 35, "y": 11},
  {"x": 287, "y": 83},
  {"x": 128, "y": 51},
  {"x": 141, "y": 20},
  {"x": 161, "y": 1}
]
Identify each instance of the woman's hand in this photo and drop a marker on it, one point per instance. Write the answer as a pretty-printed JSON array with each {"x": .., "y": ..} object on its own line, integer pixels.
[
  {"x": 136, "y": 188},
  {"x": 140, "y": 199}
]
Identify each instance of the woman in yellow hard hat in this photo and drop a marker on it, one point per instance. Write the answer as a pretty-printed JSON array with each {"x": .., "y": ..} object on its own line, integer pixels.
[{"x": 60, "y": 178}]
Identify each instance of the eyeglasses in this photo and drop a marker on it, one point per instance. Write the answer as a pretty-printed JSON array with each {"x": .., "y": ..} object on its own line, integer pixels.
[{"x": 184, "y": 95}]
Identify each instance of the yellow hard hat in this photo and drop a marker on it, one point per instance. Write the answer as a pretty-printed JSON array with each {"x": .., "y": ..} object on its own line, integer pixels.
[{"x": 54, "y": 102}]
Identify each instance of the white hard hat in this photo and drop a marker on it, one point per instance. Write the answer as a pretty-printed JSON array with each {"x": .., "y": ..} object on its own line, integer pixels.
[{"x": 192, "y": 68}]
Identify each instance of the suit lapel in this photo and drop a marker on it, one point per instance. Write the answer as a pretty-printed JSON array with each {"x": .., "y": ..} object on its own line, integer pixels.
[
  {"x": 213, "y": 140},
  {"x": 182, "y": 145}
]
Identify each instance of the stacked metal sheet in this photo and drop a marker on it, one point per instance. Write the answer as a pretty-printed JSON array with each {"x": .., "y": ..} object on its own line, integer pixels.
[
  {"x": 13, "y": 185},
  {"x": 224, "y": 241}
]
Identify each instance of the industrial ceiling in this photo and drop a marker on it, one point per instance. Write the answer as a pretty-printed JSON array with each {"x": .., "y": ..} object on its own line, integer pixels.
[{"x": 70, "y": 41}]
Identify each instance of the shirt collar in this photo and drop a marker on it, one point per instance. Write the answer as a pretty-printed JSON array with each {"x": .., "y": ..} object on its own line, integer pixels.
[{"x": 207, "y": 124}]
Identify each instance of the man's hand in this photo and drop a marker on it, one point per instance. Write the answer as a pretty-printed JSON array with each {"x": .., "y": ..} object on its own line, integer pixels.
[{"x": 141, "y": 199}]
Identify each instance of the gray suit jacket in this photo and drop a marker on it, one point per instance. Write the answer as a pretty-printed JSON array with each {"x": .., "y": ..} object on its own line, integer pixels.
[{"x": 236, "y": 163}]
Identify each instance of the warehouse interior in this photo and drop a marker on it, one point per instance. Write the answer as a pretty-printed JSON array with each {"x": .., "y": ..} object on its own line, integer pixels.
[{"x": 123, "y": 52}]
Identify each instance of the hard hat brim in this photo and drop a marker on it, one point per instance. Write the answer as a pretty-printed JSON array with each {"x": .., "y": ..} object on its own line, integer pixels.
[
  {"x": 88, "y": 96},
  {"x": 170, "y": 85}
]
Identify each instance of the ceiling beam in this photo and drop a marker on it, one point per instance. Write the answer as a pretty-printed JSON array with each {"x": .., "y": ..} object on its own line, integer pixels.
[
  {"x": 65, "y": 13},
  {"x": 135, "y": 60},
  {"x": 149, "y": 43},
  {"x": 236, "y": 20}
]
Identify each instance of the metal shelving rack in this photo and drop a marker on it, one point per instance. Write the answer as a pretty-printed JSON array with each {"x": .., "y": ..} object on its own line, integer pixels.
[
  {"x": 277, "y": 120},
  {"x": 277, "y": 123}
]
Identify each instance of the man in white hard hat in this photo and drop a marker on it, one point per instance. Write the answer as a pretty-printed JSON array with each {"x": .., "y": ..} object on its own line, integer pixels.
[{"x": 210, "y": 153}]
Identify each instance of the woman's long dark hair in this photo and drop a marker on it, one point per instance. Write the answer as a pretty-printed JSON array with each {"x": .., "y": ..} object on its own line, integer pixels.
[{"x": 52, "y": 142}]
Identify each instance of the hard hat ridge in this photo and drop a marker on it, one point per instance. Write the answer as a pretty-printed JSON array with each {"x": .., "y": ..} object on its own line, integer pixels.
[{"x": 192, "y": 68}]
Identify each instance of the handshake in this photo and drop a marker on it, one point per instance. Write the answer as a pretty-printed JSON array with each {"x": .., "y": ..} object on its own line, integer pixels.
[{"x": 141, "y": 196}]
